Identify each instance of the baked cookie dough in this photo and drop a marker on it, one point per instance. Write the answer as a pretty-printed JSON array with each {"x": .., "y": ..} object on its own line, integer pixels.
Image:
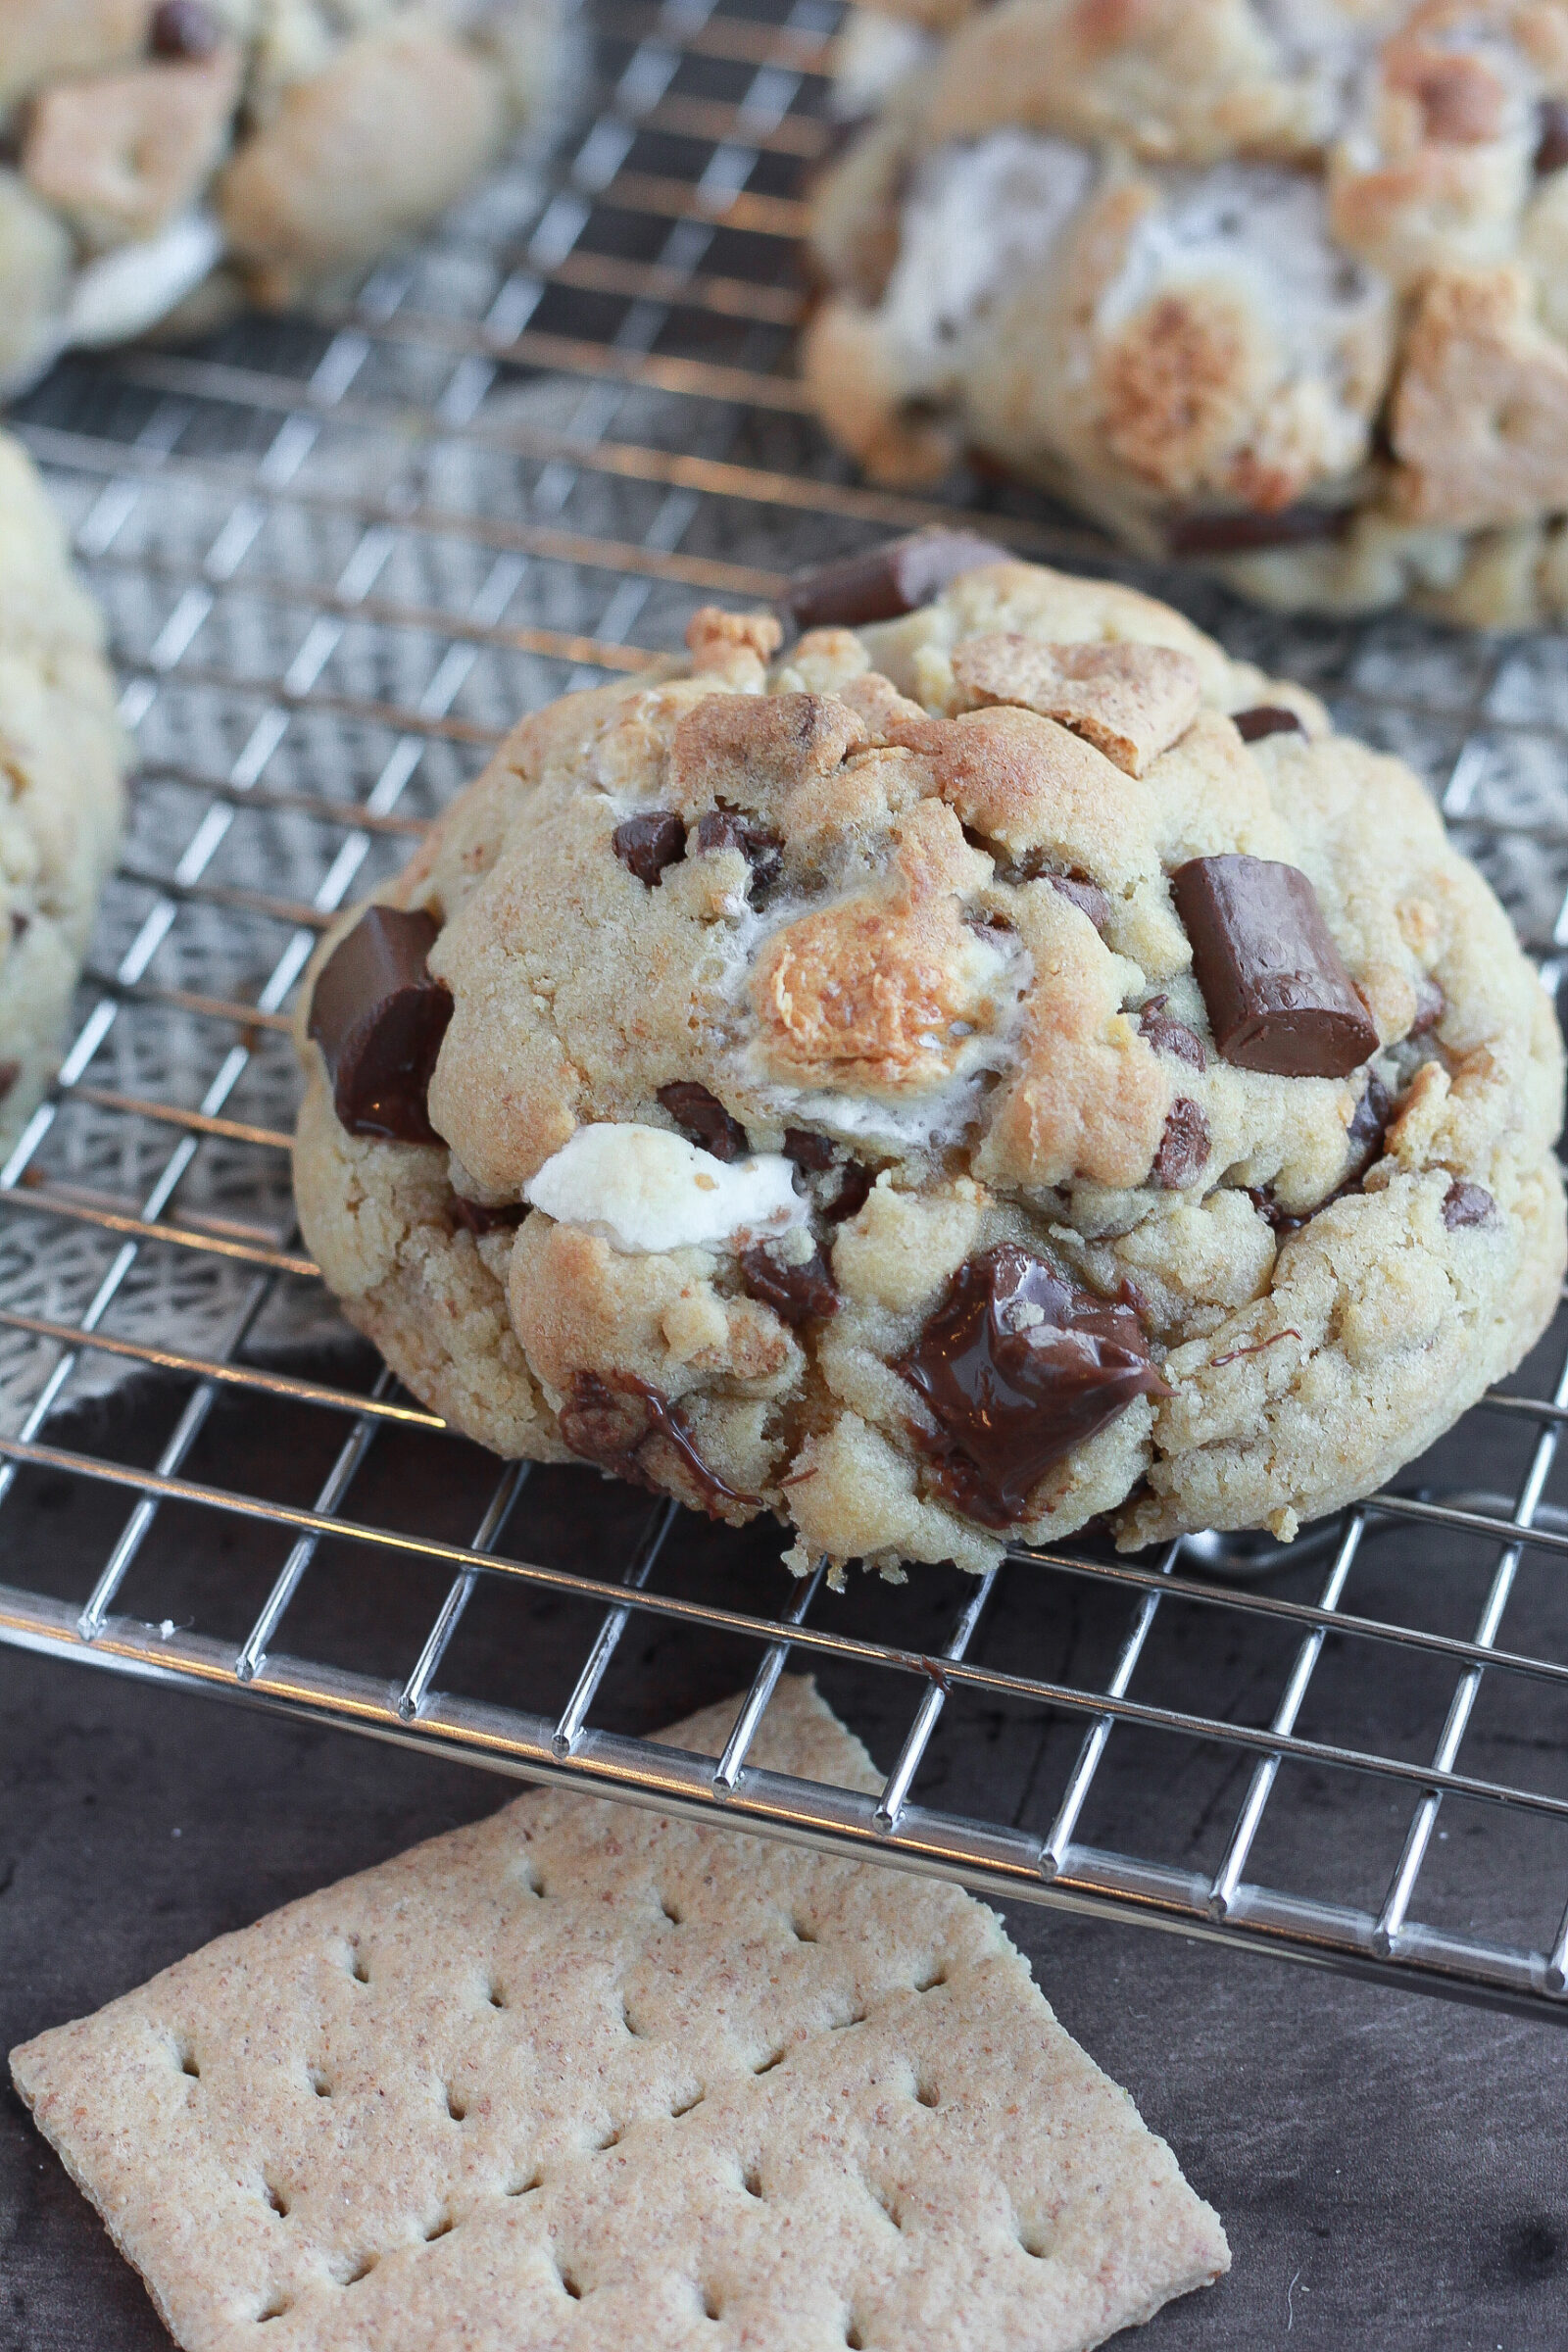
[
  {"x": 236, "y": 146},
  {"x": 63, "y": 753},
  {"x": 998, "y": 1065},
  {"x": 1281, "y": 289}
]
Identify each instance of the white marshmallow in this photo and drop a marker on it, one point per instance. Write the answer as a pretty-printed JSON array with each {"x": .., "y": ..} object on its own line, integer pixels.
[
  {"x": 645, "y": 1190},
  {"x": 131, "y": 288}
]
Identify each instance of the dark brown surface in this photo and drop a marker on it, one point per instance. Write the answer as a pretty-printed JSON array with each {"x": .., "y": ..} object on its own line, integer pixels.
[
  {"x": 889, "y": 580},
  {"x": 379, "y": 1018},
  {"x": 1278, "y": 995}
]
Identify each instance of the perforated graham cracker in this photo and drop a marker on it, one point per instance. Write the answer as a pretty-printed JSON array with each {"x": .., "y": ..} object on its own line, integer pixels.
[{"x": 584, "y": 2077}]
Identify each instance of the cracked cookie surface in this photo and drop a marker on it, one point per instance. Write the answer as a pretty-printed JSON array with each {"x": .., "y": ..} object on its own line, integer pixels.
[{"x": 943, "y": 1084}]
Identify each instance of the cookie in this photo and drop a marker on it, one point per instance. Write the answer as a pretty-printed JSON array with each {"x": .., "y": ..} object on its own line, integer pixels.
[
  {"x": 1001, "y": 1066},
  {"x": 1284, "y": 291},
  {"x": 254, "y": 146},
  {"x": 63, "y": 755}
]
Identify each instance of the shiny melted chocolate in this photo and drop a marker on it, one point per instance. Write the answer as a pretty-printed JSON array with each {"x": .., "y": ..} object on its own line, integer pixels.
[
  {"x": 611, "y": 1421},
  {"x": 1010, "y": 1395}
]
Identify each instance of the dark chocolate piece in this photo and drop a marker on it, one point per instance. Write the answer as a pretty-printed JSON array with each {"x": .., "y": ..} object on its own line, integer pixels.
[
  {"x": 10, "y": 1072},
  {"x": 795, "y": 1294},
  {"x": 1184, "y": 1145},
  {"x": 379, "y": 1018},
  {"x": 183, "y": 28},
  {"x": 1467, "y": 1205},
  {"x": 477, "y": 1216},
  {"x": 1168, "y": 1035},
  {"x": 609, "y": 1420},
  {"x": 1265, "y": 718},
  {"x": 1551, "y": 141},
  {"x": 1279, "y": 996},
  {"x": 1363, "y": 1137},
  {"x": 811, "y": 1153},
  {"x": 895, "y": 578},
  {"x": 648, "y": 844},
  {"x": 758, "y": 844},
  {"x": 1283, "y": 1221},
  {"x": 1430, "y": 1007},
  {"x": 852, "y": 1195},
  {"x": 20, "y": 923},
  {"x": 702, "y": 1119},
  {"x": 1249, "y": 534},
  {"x": 1033, "y": 865},
  {"x": 1010, "y": 1395},
  {"x": 1087, "y": 897}
]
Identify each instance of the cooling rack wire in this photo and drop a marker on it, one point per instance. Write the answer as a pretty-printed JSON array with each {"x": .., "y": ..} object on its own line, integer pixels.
[{"x": 339, "y": 555}]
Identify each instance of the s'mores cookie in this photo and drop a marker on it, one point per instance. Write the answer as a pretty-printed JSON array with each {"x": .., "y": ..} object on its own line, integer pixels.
[
  {"x": 265, "y": 146},
  {"x": 993, "y": 1064},
  {"x": 1280, "y": 289}
]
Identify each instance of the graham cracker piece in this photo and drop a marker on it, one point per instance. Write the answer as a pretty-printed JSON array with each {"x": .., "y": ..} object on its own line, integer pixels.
[
  {"x": 582, "y": 2076},
  {"x": 1130, "y": 701}
]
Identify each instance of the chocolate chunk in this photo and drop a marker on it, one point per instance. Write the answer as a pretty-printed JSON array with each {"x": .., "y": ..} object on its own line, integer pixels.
[
  {"x": 1168, "y": 1035},
  {"x": 477, "y": 1216},
  {"x": 1248, "y": 534},
  {"x": 758, "y": 844},
  {"x": 183, "y": 28},
  {"x": 813, "y": 1153},
  {"x": 10, "y": 1072},
  {"x": 1284, "y": 1221},
  {"x": 1033, "y": 865},
  {"x": 1279, "y": 996},
  {"x": 795, "y": 1293},
  {"x": 1018, "y": 1366},
  {"x": 702, "y": 1119},
  {"x": 1266, "y": 719},
  {"x": 1430, "y": 1007},
  {"x": 892, "y": 579},
  {"x": 852, "y": 1195},
  {"x": 20, "y": 923},
  {"x": 648, "y": 844},
  {"x": 379, "y": 1018},
  {"x": 1087, "y": 897},
  {"x": 609, "y": 1419},
  {"x": 1363, "y": 1137},
  {"x": 1551, "y": 139},
  {"x": 1184, "y": 1145},
  {"x": 1467, "y": 1205}
]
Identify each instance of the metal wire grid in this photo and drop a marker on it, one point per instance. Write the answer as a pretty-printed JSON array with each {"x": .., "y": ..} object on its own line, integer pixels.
[{"x": 341, "y": 555}]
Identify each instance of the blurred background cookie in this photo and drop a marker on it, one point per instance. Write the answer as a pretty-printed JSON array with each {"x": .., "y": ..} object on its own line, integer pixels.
[
  {"x": 191, "y": 152},
  {"x": 1280, "y": 289}
]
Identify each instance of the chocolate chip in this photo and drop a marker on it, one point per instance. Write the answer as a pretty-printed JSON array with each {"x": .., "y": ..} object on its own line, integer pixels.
[
  {"x": 1266, "y": 719},
  {"x": 1010, "y": 1395},
  {"x": 379, "y": 1018},
  {"x": 1168, "y": 1035},
  {"x": 814, "y": 1153},
  {"x": 1279, "y": 996},
  {"x": 477, "y": 1216},
  {"x": 20, "y": 923},
  {"x": 648, "y": 844},
  {"x": 183, "y": 28},
  {"x": 1033, "y": 865},
  {"x": 795, "y": 1294},
  {"x": 1467, "y": 1205},
  {"x": 609, "y": 1420},
  {"x": 10, "y": 1072},
  {"x": 1363, "y": 1137},
  {"x": 1246, "y": 534},
  {"x": 758, "y": 844},
  {"x": 1552, "y": 138},
  {"x": 1430, "y": 1007},
  {"x": 892, "y": 579},
  {"x": 1087, "y": 897},
  {"x": 702, "y": 1119},
  {"x": 852, "y": 1195},
  {"x": 1184, "y": 1145},
  {"x": 1284, "y": 1221}
]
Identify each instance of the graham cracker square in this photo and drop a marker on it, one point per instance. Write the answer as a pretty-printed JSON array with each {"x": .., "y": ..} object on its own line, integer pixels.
[{"x": 581, "y": 2075}]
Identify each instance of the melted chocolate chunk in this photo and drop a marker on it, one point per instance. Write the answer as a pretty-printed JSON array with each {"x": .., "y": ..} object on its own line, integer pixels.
[
  {"x": 852, "y": 1195},
  {"x": 1467, "y": 1205},
  {"x": 1184, "y": 1145},
  {"x": 183, "y": 28},
  {"x": 702, "y": 1119},
  {"x": 1248, "y": 534},
  {"x": 1087, "y": 897},
  {"x": 648, "y": 844},
  {"x": 379, "y": 1018},
  {"x": 1363, "y": 1137},
  {"x": 760, "y": 847},
  {"x": 1265, "y": 718},
  {"x": 1430, "y": 1007},
  {"x": 892, "y": 579},
  {"x": 1279, "y": 996},
  {"x": 1551, "y": 140},
  {"x": 1168, "y": 1035},
  {"x": 1011, "y": 1395},
  {"x": 811, "y": 1153},
  {"x": 611, "y": 1420},
  {"x": 795, "y": 1294},
  {"x": 1033, "y": 865},
  {"x": 477, "y": 1216}
]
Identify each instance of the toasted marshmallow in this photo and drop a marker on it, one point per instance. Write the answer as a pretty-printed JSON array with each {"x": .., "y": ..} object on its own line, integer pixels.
[{"x": 645, "y": 1190}]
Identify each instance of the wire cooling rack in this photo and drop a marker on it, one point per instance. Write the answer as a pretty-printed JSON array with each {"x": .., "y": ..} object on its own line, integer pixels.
[{"x": 340, "y": 554}]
